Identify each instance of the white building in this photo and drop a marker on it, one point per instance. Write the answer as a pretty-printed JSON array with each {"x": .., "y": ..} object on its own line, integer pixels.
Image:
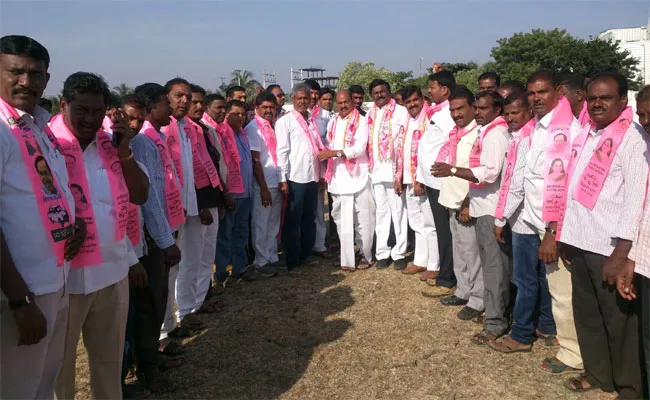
[{"x": 637, "y": 42}]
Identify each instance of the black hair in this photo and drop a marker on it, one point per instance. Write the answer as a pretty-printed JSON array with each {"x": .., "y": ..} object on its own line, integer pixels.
[
  {"x": 85, "y": 83},
  {"x": 544, "y": 75},
  {"x": 235, "y": 88},
  {"x": 644, "y": 94},
  {"x": 444, "y": 78},
  {"x": 209, "y": 99},
  {"x": 312, "y": 84},
  {"x": 490, "y": 75},
  {"x": 497, "y": 100},
  {"x": 463, "y": 92},
  {"x": 265, "y": 96},
  {"x": 18, "y": 45},
  {"x": 134, "y": 100},
  {"x": 149, "y": 94},
  {"x": 113, "y": 101},
  {"x": 356, "y": 89},
  {"x": 39, "y": 159},
  {"x": 378, "y": 82},
  {"x": 235, "y": 103},
  {"x": 176, "y": 81},
  {"x": 573, "y": 81},
  {"x": 273, "y": 86},
  {"x": 513, "y": 85},
  {"x": 516, "y": 96},
  {"x": 197, "y": 89},
  {"x": 325, "y": 91},
  {"x": 611, "y": 74},
  {"x": 409, "y": 91}
]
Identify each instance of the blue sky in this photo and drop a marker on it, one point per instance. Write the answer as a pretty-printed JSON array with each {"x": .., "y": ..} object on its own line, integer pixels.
[{"x": 144, "y": 41}]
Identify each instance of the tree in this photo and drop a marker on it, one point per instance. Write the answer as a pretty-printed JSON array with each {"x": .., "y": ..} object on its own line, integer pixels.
[
  {"x": 56, "y": 104},
  {"x": 122, "y": 90},
  {"x": 358, "y": 73},
  {"x": 243, "y": 78},
  {"x": 518, "y": 56}
]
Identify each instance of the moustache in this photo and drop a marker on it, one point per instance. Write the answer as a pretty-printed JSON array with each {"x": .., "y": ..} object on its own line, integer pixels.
[{"x": 20, "y": 90}]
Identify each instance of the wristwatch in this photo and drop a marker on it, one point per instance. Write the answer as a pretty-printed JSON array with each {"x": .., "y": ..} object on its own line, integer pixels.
[
  {"x": 339, "y": 154},
  {"x": 29, "y": 299},
  {"x": 551, "y": 231},
  {"x": 453, "y": 171}
]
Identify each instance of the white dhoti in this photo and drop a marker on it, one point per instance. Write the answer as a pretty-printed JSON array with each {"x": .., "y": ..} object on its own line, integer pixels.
[
  {"x": 354, "y": 212},
  {"x": 191, "y": 242},
  {"x": 321, "y": 228},
  {"x": 390, "y": 206},
  {"x": 420, "y": 218},
  {"x": 266, "y": 225},
  {"x": 207, "y": 260}
]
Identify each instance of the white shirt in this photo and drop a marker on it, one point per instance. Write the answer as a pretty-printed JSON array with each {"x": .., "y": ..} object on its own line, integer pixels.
[
  {"x": 640, "y": 252},
  {"x": 20, "y": 218},
  {"x": 322, "y": 121},
  {"x": 535, "y": 170},
  {"x": 383, "y": 171},
  {"x": 257, "y": 143},
  {"x": 435, "y": 136},
  {"x": 188, "y": 192},
  {"x": 483, "y": 200},
  {"x": 342, "y": 182},
  {"x": 117, "y": 256},
  {"x": 619, "y": 206},
  {"x": 453, "y": 190},
  {"x": 296, "y": 159}
]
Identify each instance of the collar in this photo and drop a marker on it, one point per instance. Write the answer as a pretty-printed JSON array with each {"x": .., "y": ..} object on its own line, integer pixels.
[
  {"x": 40, "y": 118},
  {"x": 546, "y": 120},
  {"x": 470, "y": 126}
]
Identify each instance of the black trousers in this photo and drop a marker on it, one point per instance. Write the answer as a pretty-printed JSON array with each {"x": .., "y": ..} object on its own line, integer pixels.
[
  {"x": 446, "y": 275},
  {"x": 150, "y": 305},
  {"x": 607, "y": 327}
]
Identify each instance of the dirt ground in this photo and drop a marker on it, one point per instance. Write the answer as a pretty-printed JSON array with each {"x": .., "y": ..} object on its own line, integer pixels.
[{"x": 365, "y": 335}]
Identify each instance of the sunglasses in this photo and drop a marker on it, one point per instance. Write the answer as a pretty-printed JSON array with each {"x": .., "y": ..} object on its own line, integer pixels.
[{"x": 279, "y": 95}]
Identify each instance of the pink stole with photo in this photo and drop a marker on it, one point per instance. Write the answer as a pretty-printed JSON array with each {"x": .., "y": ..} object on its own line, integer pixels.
[
  {"x": 269, "y": 137},
  {"x": 385, "y": 136},
  {"x": 231, "y": 154},
  {"x": 477, "y": 149},
  {"x": 53, "y": 208},
  {"x": 205, "y": 172},
  {"x": 447, "y": 153},
  {"x": 174, "y": 147},
  {"x": 351, "y": 126},
  {"x": 311, "y": 131}
]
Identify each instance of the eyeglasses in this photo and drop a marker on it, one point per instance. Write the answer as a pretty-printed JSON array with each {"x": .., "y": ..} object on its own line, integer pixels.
[{"x": 279, "y": 95}]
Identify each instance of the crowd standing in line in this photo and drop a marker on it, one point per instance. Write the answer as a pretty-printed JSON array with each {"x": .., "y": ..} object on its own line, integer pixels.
[{"x": 527, "y": 202}]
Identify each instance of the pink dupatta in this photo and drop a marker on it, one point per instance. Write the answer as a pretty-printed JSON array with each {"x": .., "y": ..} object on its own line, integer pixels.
[
  {"x": 477, "y": 150},
  {"x": 312, "y": 135},
  {"x": 348, "y": 141},
  {"x": 385, "y": 145},
  {"x": 269, "y": 136}
]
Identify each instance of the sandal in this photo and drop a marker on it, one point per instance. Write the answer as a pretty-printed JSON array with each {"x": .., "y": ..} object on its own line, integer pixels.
[
  {"x": 483, "y": 338},
  {"x": 550, "y": 341},
  {"x": 557, "y": 367},
  {"x": 576, "y": 383},
  {"x": 507, "y": 346},
  {"x": 172, "y": 349}
]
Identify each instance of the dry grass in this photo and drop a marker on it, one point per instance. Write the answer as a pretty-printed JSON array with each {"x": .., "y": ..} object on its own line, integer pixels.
[{"x": 365, "y": 335}]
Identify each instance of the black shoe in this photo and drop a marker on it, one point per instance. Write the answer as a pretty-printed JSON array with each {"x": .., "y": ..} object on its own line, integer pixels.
[
  {"x": 382, "y": 264},
  {"x": 399, "y": 264},
  {"x": 468, "y": 313},
  {"x": 453, "y": 301}
]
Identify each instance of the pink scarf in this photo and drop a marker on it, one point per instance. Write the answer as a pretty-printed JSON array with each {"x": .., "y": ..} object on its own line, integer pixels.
[
  {"x": 53, "y": 207},
  {"x": 207, "y": 119},
  {"x": 385, "y": 145},
  {"x": 315, "y": 112},
  {"x": 232, "y": 157},
  {"x": 90, "y": 253},
  {"x": 107, "y": 124},
  {"x": 511, "y": 160},
  {"x": 174, "y": 146},
  {"x": 557, "y": 155},
  {"x": 175, "y": 212},
  {"x": 205, "y": 173},
  {"x": 477, "y": 150},
  {"x": 269, "y": 136},
  {"x": 447, "y": 153},
  {"x": 348, "y": 141},
  {"x": 312, "y": 135},
  {"x": 422, "y": 119},
  {"x": 584, "y": 118}
]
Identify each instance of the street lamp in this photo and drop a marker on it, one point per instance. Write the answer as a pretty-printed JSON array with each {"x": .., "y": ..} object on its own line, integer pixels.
[{"x": 421, "y": 60}]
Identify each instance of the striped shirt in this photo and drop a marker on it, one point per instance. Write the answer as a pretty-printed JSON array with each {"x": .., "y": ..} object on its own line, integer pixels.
[
  {"x": 640, "y": 252},
  {"x": 618, "y": 208}
]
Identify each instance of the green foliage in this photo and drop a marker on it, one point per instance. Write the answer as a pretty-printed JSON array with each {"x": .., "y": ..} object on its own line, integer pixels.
[
  {"x": 122, "y": 90},
  {"x": 242, "y": 78}
]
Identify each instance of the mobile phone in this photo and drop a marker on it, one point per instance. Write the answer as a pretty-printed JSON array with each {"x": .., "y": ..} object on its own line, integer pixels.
[{"x": 115, "y": 117}]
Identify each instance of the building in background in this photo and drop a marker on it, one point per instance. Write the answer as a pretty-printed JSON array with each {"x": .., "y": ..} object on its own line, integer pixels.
[{"x": 637, "y": 42}]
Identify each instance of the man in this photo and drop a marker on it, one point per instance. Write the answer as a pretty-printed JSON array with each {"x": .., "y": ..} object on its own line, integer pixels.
[
  {"x": 46, "y": 104},
  {"x": 300, "y": 173},
  {"x": 483, "y": 174},
  {"x": 98, "y": 283},
  {"x": 236, "y": 92},
  {"x": 320, "y": 119},
  {"x": 489, "y": 80},
  {"x": 178, "y": 139},
  {"x": 280, "y": 98},
  {"x": 210, "y": 196},
  {"x": 358, "y": 95},
  {"x": 399, "y": 96},
  {"x": 509, "y": 87},
  {"x": 33, "y": 272},
  {"x": 441, "y": 85},
  {"x": 553, "y": 118},
  {"x": 347, "y": 174},
  {"x": 326, "y": 101},
  {"x": 267, "y": 199},
  {"x": 604, "y": 204},
  {"x": 232, "y": 239},
  {"x": 454, "y": 193},
  {"x": 161, "y": 220},
  {"x": 386, "y": 126},
  {"x": 638, "y": 257},
  {"x": 532, "y": 316},
  {"x": 417, "y": 204},
  {"x": 572, "y": 88}
]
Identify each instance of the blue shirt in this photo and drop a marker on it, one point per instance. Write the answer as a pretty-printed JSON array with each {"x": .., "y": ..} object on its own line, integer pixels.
[{"x": 245, "y": 166}]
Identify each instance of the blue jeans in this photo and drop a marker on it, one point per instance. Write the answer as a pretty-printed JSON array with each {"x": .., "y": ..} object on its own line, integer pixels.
[
  {"x": 533, "y": 302},
  {"x": 232, "y": 240},
  {"x": 299, "y": 230}
]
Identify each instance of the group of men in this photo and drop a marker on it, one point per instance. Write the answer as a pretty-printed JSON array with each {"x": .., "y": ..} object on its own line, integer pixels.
[{"x": 128, "y": 208}]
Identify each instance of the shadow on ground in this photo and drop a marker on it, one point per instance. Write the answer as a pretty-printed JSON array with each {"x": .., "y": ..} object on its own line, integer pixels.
[{"x": 262, "y": 342}]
